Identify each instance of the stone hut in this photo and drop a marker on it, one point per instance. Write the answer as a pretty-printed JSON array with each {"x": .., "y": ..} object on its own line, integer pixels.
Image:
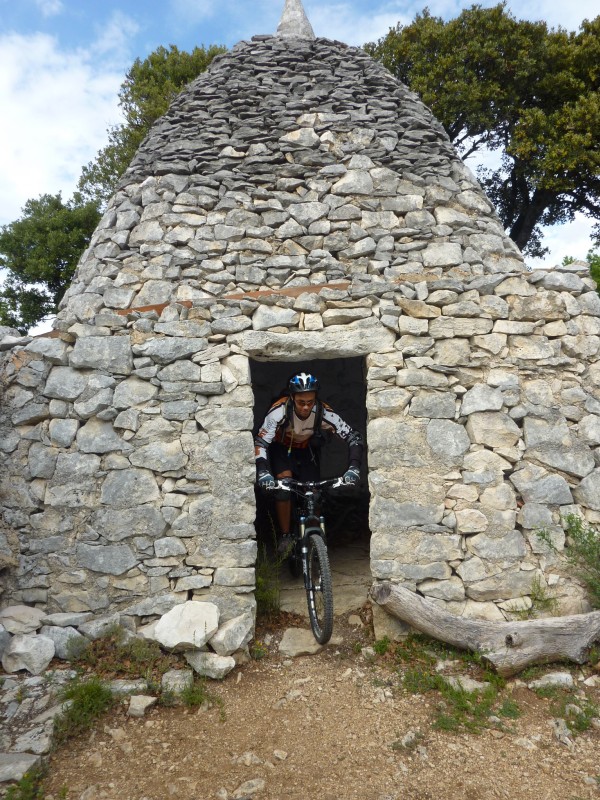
[{"x": 297, "y": 205}]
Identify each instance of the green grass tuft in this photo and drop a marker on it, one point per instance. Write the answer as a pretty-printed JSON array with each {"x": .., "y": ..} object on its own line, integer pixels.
[
  {"x": 268, "y": 591},
  {"x": 86, "y": 701},
  {"x": 195, "y": 694},
  {"x": 509, "y": 709},
  {"x": 381, "y": 646}
]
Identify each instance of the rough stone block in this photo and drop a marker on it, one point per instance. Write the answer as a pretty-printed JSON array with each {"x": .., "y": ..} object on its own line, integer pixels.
[
  {"x": 30, "y": 652},
  {"x": 187, "y": 626},
  {"x": 232, "y": 635},
  {"x": 447, "y": 439},
  {"x": 494, "y": 429},
  {"x": 111, "y": 353}
]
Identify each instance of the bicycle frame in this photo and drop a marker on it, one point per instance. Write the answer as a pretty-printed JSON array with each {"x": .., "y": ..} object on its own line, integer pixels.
[
  {"x": 311, "y": 550},
  {"x": 309, "y": 494}
]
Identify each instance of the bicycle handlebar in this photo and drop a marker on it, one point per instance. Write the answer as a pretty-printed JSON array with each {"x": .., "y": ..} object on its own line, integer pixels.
[{"x": 289, "y": 484}]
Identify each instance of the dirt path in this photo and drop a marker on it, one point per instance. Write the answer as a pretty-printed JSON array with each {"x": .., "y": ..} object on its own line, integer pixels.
[{"x": 328, "y": 726}]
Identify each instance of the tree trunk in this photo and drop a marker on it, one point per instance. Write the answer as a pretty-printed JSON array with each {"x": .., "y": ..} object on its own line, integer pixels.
[
  {"x": 531, "y": 213},
  {"x": 508, "y": 646}
]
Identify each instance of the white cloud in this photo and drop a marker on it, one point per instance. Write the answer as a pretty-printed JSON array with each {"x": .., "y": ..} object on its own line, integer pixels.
[
  {"x": 115, "y": 37},
  {"x": 50, "y": 8},
  {"x": 56, "y": 106}
]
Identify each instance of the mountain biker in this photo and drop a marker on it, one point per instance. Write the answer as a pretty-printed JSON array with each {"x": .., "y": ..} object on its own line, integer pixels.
[{"x": 289, "y": 441}]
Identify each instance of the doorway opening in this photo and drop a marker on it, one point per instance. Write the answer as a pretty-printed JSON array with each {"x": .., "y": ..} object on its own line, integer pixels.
[{"x": 343, "y": 387}]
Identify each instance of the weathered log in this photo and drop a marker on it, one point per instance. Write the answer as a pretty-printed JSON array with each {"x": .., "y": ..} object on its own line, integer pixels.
[{"x": 508, "y": 646}]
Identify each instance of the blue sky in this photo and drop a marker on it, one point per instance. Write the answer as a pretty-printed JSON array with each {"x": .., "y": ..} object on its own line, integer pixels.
[{"x": 62, "y": 62}]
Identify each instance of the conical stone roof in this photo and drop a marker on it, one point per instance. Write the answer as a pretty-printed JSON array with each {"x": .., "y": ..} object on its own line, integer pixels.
[{"x": 291, "y": 160}]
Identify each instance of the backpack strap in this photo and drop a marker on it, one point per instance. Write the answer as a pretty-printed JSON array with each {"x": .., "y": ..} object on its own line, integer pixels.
[
  {"x": 287, "y": 417},
  {"x": 318, "y": 416}
]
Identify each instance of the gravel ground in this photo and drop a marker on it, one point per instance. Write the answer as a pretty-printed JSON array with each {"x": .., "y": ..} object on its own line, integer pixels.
[{"x": 334, "y": 725}]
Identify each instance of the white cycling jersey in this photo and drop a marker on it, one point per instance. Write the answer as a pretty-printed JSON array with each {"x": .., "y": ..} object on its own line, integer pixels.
[{"x": 296, "y": 432}]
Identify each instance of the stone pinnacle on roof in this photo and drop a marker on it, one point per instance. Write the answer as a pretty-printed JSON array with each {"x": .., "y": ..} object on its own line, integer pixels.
[{"x": 294, "y": 21}]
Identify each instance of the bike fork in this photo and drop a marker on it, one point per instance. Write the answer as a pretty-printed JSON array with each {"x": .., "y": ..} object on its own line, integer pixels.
[{"x": 304, "y": 551}]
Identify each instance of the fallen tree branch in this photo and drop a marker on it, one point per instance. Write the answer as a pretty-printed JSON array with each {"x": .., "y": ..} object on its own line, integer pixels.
[{"x": 508, "y": 646}]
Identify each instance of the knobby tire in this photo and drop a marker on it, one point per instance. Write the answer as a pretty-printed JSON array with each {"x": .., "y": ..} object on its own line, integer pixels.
[{"x": 319, "y": 593}]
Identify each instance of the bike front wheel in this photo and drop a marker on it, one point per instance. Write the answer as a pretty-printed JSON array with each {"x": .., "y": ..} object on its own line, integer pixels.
[{"x": 319, "y": 591}]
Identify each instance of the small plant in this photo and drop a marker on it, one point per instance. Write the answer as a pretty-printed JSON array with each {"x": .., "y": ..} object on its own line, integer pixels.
[
  {"x": 21, "y": 694},
  {"x": 420, "y": 681},
  {"x": 594, "y": 654},
  {"x": 194, "y": 694},
  {"x": 111, "y": 656},
  {"x": 418, "y": 648},
  {"x": 458, "y": 708},
  {"x": 167, "y": 698},
  {"x": 28, "y": 788},
  {"x": 258, "y": 650},
  {"x": 409, "y": 742},
  {"x": 381, "y": 646},
  {"x": 582, "y": 553},
  {"x": 509, "y": 709},
  {"x": 542, "y": 600},
  {"x": 89, "y": 699},
  {"x": 77, "y": 648},
  {"x": 267, "y": 590},
  {"x": 578, "y": 711},
  {"x": 579, "y": 714}
]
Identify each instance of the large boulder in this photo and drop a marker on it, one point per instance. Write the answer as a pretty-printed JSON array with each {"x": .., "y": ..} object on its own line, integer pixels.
[
  {"x": 25, "y": 651},
  {"x": 188, "y": 626}
]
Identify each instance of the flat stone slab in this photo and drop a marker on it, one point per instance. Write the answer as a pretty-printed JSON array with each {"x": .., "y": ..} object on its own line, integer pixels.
[
  {"x": 125, "y": 687},
  {"x": 210, "y": 665},
  {"x": 465, "y": 683},
  {"x": 139, "y": 704},
  {"x": 14, "y": 765},
  {"x": 564, "y": 679},
  {"x": 299, "y": 642}
]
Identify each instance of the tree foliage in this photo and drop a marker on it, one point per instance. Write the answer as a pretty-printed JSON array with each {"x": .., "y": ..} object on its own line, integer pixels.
[
  {"x": 145, "y": 95},
  {"x": 517, "y": 87},
  {"x": 40, "y": 252},
  {"x": 593, "y": 260}
]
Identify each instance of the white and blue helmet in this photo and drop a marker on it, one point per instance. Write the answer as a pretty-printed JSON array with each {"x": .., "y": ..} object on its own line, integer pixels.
[{"x": 303, "y": 382}]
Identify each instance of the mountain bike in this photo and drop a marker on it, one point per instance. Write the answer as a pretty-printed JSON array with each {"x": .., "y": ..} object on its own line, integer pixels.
[{"x": 308, "y": 556}]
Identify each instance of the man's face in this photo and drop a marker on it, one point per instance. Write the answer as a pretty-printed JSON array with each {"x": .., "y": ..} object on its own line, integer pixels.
[{"x": 303, "y": 403}]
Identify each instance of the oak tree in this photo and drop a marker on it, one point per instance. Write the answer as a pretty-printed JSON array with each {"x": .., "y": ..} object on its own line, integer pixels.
[
  {"x": 521, "y": 89},
  {"x": 39, "y": 252}
]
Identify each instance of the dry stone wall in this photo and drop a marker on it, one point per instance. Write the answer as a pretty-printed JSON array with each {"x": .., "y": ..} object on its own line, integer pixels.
[{"x": 302, "y": 169}]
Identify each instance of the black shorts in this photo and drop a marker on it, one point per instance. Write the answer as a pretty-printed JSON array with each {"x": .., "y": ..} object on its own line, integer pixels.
[{"x": 303, "y": 462}]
